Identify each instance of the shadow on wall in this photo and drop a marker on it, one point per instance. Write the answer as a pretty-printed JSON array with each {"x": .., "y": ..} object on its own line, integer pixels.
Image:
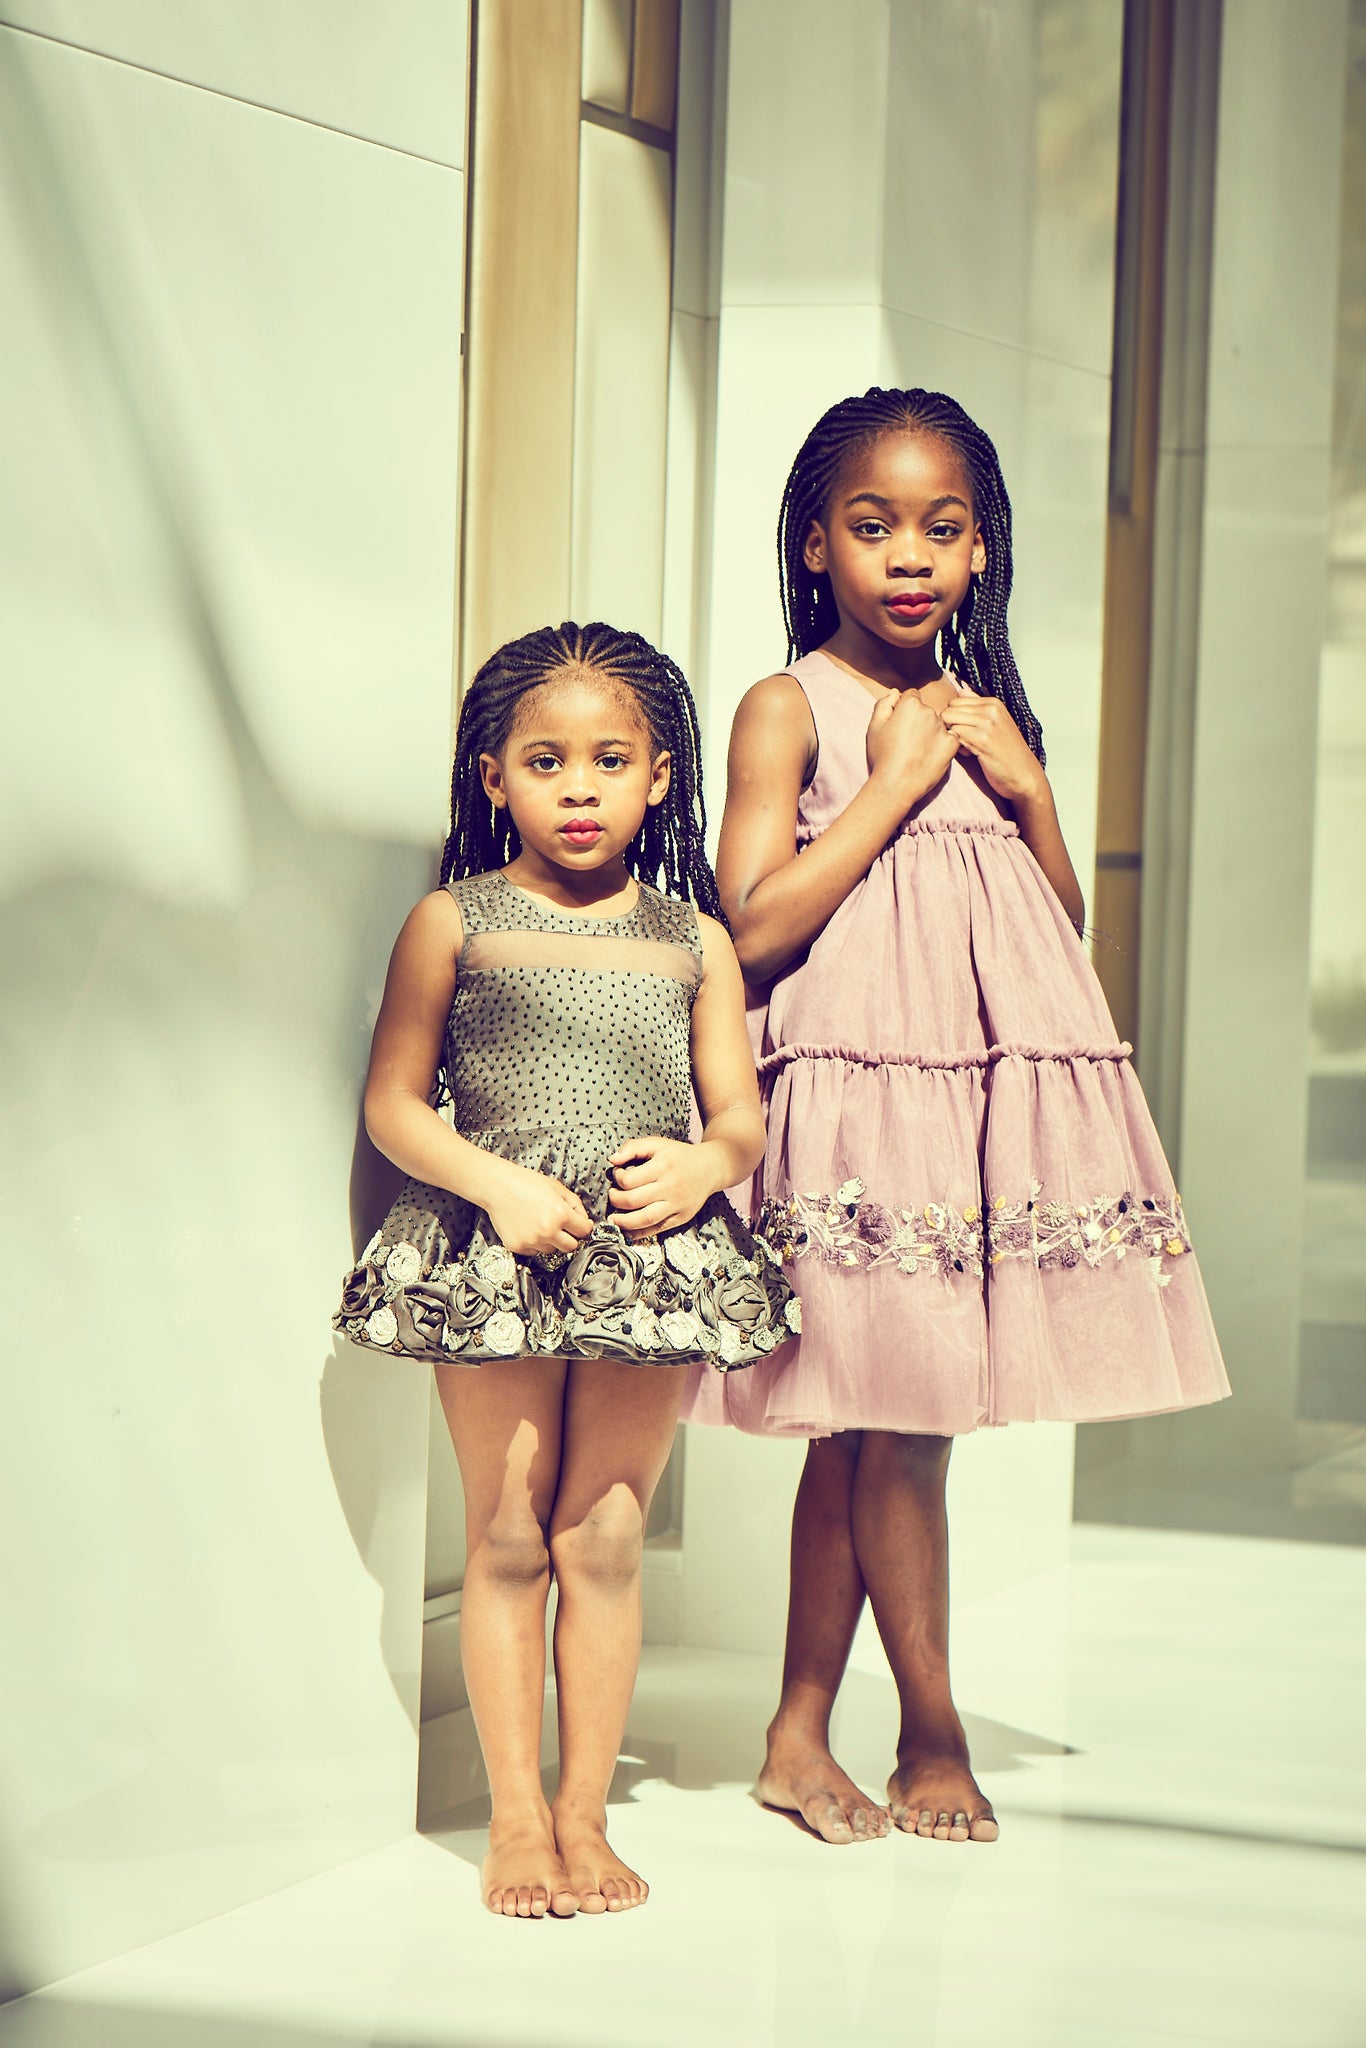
[{"x": 203, "y": 1712}]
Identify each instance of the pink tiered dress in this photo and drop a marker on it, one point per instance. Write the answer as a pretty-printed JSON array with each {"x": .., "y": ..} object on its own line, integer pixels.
[{"x": 962, "y": 1175}]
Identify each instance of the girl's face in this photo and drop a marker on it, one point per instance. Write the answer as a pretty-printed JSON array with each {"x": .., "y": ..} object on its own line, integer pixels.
[
  {"x": 898, "y": 541},
  {"x": 578, "y": 772}
]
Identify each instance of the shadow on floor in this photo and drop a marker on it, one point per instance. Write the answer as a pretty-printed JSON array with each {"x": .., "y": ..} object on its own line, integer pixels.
[{"x": 697, "y": 1722}]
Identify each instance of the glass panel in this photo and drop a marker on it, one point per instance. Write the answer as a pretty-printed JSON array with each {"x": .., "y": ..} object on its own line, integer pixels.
[{"x": 1332, "y": 1379}]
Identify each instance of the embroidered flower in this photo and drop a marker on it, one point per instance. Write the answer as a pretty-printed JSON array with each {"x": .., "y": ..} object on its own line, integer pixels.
[
  {"x": 740, "y": 1299},
  {"x": 730, "y": 1346},
  {"x": 382, "y": 1326},
  {"x": 361, "y": 1290},
  {"x": 421, "y": 1313},
  {"x": 471, "y": 1300},
  {"x": 875, "y": 1224},
  {"x": 850, "y": 1191},
  {"x": 604, "y": 1272},
  {"x": 404, "y": 1265},
  {"x": 494, "y": 1262},
  {"x": 792, "y": 1314},
  {"x": 504, "y": 1334},
  {"x": 644, "y": 1326},
  {"x": 650, "y": 1253},
  {"x": 685, "y": 1254},
  {"x": 680, "y": 1330}
]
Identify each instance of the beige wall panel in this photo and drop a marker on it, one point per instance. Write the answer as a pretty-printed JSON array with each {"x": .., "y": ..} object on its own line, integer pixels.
[
  {"x": 621, "y": 381},
  {"x": 607, "y": 53},
  {"x": 217, "y": 320},
  {"x": 270, "y": 316},
  {"x": 808, "y": 111},
  {"x": 393, "y": 74},
  {"x": 1014, "y": 238},
  {"x": 520, "y": 361}
]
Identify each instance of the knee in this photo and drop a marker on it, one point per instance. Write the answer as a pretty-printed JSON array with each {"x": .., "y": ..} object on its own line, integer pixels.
[
  {"x": 604, "y": 1546},
  {"x": 512, "y": 1549},
  {"x": 917, "y": 1457}
]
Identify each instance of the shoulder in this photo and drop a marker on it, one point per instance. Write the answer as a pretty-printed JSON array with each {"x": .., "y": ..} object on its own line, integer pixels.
[
  {"x": 716, "y": 947},
  {"x": 774, "y": 717},
  {"x": 434, "y": 924},
  {"x": 669, "y": 918}
]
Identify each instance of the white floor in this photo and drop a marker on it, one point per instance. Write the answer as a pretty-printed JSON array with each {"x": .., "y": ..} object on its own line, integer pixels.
[{"x": 1173, "y": 1730}]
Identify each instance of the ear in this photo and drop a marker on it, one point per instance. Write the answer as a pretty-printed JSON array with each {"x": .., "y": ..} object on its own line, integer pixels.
[
  {"x": 979, "y": 552},
  {"x": 813, "y": 548},
  {"x": 491, "y": 773},
  {"x": 661, "y": 775}
]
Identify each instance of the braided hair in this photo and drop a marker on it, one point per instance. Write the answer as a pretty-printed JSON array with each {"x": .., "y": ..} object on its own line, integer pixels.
[
  {"x": 975, "y": 644},
  {"x": 669, "y": 850}
]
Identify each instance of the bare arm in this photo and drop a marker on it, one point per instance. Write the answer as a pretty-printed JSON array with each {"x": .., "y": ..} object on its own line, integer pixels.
[
  {"x": 529, "y": 1211},
  {"x": 777, "y": 900},
  {"x": 662, "y": 1183}
]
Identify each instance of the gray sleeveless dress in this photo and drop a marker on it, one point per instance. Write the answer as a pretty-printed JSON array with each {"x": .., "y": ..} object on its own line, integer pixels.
[{"x": 567, "y": 1036}]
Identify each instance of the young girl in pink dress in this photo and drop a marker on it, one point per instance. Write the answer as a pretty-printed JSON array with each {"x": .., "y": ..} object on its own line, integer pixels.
[{"x": 961, "y": 1171}]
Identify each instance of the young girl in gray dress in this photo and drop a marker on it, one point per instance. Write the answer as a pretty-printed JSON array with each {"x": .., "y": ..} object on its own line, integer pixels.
[{"x": 559, "y": 1233}]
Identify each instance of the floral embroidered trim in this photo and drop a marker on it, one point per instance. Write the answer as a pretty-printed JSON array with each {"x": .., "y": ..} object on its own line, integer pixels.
[
  {"x": 689, "y": 1293},
  {"x": 951, "y": 1062},
  {"x": 849, "y": 1229}
]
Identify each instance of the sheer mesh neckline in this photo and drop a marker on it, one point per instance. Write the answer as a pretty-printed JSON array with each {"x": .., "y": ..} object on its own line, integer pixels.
[{"x": 574, "y": 917}]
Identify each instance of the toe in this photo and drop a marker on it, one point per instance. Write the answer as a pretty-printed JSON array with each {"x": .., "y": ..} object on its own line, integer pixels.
[
  {"x": 540, "y": 1899},
  {"x": 958, "y": 1831},
  {"x": 494, "y": 1901},
  {"x": 524, "y": 1902},
  {"x": 591, "y": 1900},
  {"x": 510, "y": 1902},
  {"x": 925, "y": 1824},
  {"x": 941, "y": 1827},
  {"x": 613, "y": 1894},
  {"x": 983, "y": 1828},
  {"x": 564, "y": 1903},
  {"x": 829, "y": 1820}
]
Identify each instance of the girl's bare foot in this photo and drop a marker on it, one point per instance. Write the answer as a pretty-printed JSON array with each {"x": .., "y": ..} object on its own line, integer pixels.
[
  {"x": 801, "y": 1776},
  {"x": 524, "y": 1877},
  {"x": 937, "y": 1796},
  {"x": 599, "y": 1880}
]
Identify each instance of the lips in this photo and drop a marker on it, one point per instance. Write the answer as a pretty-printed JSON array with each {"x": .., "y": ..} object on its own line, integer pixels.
[
  {"x": 910, "y": 607},
  {"x": 584, "y": 834}
]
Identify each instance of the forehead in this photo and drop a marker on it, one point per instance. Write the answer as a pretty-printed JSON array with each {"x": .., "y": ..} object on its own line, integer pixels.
[
  {"x": 577, "y": 701},
  {"x": 904, "y": 465}
]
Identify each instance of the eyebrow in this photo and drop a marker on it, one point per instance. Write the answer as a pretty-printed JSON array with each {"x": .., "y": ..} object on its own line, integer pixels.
[
  {"x": 935, "y": 504},
  {"x": 611, "y": 741}
]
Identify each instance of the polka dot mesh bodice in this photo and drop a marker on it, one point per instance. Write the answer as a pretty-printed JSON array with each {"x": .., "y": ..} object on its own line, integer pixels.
[{"x": 570, "y": 1028}]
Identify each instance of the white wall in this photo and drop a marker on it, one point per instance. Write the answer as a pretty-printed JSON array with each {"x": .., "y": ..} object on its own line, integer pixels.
[
  {"x": 926, "y": 197},
  {"x": 230, "y": 255}
]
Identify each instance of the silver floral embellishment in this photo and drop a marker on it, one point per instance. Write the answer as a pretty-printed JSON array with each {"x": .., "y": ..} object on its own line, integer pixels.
[
  {"x": 504, "y": 1334},
  {"x": 404, "y": 1265},
  {"x": 850, "y": 1191},
  {"x": 679, "y": 1329},
  {"x": 651, "y": 1254},
  {"x": 793, "y": 1314},
  {"x": 684, "y": 1254},
  {"x": 382, "y": 1326},
  {"x": 645, "y": 1326},
  {"x": 495, "y": 1262}
]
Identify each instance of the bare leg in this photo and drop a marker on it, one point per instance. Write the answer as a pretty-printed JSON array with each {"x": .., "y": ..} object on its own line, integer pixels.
[
  {"x": 824, "y": 1605},
  {"x": 505, "y": 1423},
  {"x": 902, "y": 1539},
  {"x": 619, "y": 1423}
]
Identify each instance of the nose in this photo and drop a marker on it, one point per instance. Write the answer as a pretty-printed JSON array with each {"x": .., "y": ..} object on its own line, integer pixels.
[
  {"x": 579, "y": 786},
  {"x": 909, "y": 554}
]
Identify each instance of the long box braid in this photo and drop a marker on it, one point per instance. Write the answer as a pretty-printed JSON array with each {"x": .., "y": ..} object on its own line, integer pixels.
[{"x": 975, "y": 645}]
